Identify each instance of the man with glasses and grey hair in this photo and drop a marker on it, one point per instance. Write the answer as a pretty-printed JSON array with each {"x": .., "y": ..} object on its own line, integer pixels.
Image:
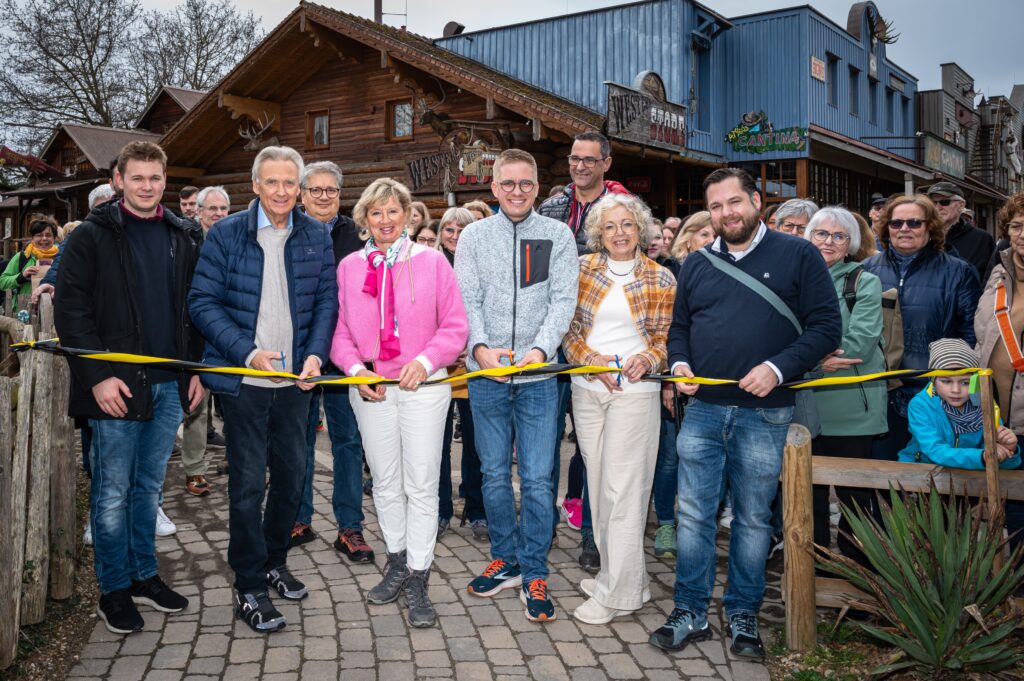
[
  {"x": 213, "y": 204},
  {"x": 792, "y": 216},
  {"x": 962, "y": 238},
  {"x": 265, "y": 297},
  {"x": 321, "y": 197}
]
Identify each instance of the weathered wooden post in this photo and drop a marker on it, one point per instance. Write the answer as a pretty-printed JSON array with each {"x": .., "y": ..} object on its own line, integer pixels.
[
  {"x": 798, "y": 522},
  {"x": 63, "y": 527},
  {"x": 995, "y": 499},
  {"x": 12, "y": 510},
  {"x": 36, "y": 576}
]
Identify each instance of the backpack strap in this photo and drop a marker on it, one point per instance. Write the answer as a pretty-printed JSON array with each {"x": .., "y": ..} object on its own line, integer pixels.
[
  {"x": 1006, "y": 332},
  {"x": 850, "y": 287}
]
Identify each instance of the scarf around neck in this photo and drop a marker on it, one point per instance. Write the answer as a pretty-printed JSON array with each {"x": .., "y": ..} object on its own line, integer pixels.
[
  {"x": 380, "y": 284},
  {"x": 33, "y": 251},
  {"x": 966, "y": 419}
]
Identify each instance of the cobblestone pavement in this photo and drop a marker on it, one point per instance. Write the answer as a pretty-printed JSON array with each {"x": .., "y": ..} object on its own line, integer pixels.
[{"x": 335, "y": 634}]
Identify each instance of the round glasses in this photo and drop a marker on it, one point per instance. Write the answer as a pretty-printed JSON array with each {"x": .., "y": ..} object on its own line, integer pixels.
[
  {"x": 823, "y": 235},
  {"x": 317, "y": 192}
]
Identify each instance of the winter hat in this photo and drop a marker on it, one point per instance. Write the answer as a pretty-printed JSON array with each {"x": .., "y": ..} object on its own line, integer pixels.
[{"x": 951, "y": 353}]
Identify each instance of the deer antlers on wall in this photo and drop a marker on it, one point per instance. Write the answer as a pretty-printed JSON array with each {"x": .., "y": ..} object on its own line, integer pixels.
[{"x": 254, "y": 133}]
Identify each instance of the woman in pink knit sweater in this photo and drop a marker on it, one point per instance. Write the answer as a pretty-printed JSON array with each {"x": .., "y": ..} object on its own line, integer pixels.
[{"x": 400, "y": 316}]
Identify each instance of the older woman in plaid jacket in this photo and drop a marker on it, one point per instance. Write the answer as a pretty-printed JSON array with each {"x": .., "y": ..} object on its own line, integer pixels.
[{"x": 622, "y": 317}]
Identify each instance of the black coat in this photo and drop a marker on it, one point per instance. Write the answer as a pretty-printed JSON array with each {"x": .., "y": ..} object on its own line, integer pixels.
[
  {"x": 974, "y": 245},
  {"x": 97, "y": 308}
]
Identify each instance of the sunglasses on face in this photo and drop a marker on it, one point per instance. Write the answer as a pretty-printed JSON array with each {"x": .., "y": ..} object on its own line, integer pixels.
[
  {"x": 912, "y": 223},
  {"x": 944, "y": 202}
]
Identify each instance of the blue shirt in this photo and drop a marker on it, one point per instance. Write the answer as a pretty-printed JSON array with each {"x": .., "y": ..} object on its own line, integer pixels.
[{"x": 263, "y": 221}]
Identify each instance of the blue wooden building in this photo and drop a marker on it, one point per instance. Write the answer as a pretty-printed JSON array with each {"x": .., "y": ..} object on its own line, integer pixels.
[{"x": 812, "y": 108}]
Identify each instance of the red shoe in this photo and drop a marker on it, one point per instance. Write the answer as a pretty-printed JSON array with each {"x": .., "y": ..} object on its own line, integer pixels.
[
  {"x": 302, "y": 534},
  {"x": 351, "y": 543}
]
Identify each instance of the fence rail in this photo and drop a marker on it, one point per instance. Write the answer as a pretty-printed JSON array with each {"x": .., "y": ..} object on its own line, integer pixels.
[{"x": 37, "y": 483}]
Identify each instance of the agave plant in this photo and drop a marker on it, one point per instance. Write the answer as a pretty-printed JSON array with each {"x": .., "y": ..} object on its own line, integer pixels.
[{"x": 938, "y": 596}]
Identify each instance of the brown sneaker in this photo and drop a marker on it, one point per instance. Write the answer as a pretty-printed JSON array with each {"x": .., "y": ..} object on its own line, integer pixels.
[
  {"x": 197, "y": 485},
  {"x": 351, "y": 543}
]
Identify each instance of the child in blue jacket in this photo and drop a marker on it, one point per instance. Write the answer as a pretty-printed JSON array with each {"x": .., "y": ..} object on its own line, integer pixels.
[{"x": 945, "y": 418}]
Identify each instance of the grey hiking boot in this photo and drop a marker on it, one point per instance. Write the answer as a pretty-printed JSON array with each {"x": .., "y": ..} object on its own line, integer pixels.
[
  {"x": 421, "y": 610},
  {"x": 395, "y": 574}
]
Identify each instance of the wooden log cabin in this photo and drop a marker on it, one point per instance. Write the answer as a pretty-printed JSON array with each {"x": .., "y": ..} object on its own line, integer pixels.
[{"x": 377, "y": 100}]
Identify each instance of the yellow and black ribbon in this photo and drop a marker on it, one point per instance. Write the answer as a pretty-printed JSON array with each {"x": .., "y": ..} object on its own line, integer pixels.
[{"x": 53, "y": 345}]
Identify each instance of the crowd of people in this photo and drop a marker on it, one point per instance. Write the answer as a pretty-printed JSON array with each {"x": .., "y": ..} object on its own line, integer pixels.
[{"x": 289, "y": 284}]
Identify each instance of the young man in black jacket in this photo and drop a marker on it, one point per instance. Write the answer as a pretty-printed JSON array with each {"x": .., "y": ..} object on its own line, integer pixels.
[{"x": 123, "y": 284}]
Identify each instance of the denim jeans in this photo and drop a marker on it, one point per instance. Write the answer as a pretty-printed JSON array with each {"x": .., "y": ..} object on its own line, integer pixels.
[
  {"x": 129, "y": 459},
  {"x": 347, "y": 450},
  {"x": 529, "y": 408},
  {"x": 264, "y": 428},
  {"x": 745, "y": 445},
  {"x": 471, "y": 488},
  {"x": 666, "y": 474}
]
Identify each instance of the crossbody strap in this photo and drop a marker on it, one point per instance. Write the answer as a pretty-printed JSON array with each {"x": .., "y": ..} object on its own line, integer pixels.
[
  {"x": 1006, "y": 331},
  {"x": 754, "y": 285}
]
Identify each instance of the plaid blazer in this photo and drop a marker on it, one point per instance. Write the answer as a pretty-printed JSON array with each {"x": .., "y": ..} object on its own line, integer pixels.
[{"x": 650, "y": 297}]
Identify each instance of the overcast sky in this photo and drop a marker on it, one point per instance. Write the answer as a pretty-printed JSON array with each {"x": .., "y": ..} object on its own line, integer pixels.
[{"x": 983, "y": 36}]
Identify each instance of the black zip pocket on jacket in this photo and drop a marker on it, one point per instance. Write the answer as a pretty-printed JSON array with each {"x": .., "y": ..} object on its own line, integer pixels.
[{"x": 534, "y": 261}]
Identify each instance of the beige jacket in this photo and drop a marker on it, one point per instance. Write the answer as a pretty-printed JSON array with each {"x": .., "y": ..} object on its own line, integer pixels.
[{"x": 987, "y": 331}]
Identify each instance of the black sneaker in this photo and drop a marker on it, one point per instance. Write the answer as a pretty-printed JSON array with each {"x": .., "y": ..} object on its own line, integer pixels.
[
  {"x": 282, "y": 579},
  {"x": 215, "y": 440},
  {"x": 119, "y": 613},
  {"x": 154, "y": 593},
  {"x": 682, "y": 628},
  {"x": 746, "y": 642},
  {"x": 590, "y": 559},
  {"x": 776, "y": 544},
  {"x": 256, "y": 610}
]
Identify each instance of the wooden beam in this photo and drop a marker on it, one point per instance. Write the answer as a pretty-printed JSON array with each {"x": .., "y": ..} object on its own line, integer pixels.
[
  {"x": 252, "y": 108},
  {"x": 345, "y": 49},
  {"x": 490, "y": 108},
  {"x": 913, "y": 477},
  {"x": 184, "y": 171},
  {"x": 538, "y": 130},
  {"x": 797, "y": 496}
]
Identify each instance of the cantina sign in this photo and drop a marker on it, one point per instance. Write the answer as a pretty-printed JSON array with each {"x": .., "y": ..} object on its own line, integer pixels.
[
  {"x": 755, "y": 134},
  {"x": 642, "y": 115}
]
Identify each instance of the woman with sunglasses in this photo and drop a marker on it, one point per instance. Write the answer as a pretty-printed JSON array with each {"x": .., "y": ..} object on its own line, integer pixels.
[
  {"x": 850, "y": 416},
  {"x": 938, "y": 294}
]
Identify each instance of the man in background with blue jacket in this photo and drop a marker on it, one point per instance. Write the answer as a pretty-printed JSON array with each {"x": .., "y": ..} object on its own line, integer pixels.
[{"x": 264, "y": 296}]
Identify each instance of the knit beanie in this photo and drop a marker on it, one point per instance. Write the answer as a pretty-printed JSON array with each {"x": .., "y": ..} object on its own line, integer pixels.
[{"x": 951, "y": 353}]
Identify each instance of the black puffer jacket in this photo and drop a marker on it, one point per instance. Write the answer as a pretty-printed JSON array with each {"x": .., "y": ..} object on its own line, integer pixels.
[
  {"x": 559, "y": 207},
  {"x": 97, "y": 308},
  {"x": 974, "y": 245}
]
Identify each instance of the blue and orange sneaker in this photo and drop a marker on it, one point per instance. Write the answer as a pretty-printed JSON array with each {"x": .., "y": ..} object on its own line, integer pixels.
[
  {"x": 539, "y": 607},
  {"x": 495, "y": 577}
]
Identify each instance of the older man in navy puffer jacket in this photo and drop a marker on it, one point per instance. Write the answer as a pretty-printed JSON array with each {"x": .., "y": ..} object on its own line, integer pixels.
[{"x": 264, "y": 296}]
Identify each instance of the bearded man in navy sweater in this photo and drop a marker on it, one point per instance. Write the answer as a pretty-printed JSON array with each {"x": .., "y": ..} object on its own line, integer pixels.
[{"x": 761, "y": 336}]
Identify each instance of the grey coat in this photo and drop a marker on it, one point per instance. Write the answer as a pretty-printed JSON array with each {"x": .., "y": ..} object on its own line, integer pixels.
[{"x": 518, "y": 282}]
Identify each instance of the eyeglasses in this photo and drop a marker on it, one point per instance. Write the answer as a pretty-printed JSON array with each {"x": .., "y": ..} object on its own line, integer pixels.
[
  {"x": 587, "y": 161},
  {"x": 626, "y": 227},
  {"x": 944, "y": 202},
  {"x": 823, "y": 235},
  {"x": 427, "y": 240},
  {"x": 509, "y": 186},
  {"x": 452, "y": 231},
  {"x": 1014, "y": 228},
  {"x": 316, "y": 192},
  {"x": 791, "y": 227},
  {"x": 913, "y": 223}
]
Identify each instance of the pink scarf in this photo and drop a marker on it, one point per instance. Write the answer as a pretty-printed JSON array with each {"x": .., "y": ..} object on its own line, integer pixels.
[{"x": 380, "y": 284}]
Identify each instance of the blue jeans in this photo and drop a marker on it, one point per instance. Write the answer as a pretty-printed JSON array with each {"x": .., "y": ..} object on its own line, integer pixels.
[
  {"x": 265, "y": 428},
  {"x": 666, "y": 474},
  {"x": 531, "y": 409},
  {"x": 745, "y": 445},
  {"x": 347, "y": 449},
  {"x": 129, "y": 459},
  {"x": 471, "y": 488}
]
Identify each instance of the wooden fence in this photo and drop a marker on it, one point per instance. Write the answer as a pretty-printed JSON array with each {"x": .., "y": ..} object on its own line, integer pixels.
[
  {"x": 38, "y": 528},
  {"x": 801, "y": 590}
]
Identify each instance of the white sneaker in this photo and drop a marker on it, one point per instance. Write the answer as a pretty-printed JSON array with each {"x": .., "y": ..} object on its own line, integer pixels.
[
  {"x": 725, "y": 520},
  {"x": 164, "y": 526},
  {"x": 592, "y": 612},
  {"x": 588, "y": 586},
  {"x": 87, "y": 535}
]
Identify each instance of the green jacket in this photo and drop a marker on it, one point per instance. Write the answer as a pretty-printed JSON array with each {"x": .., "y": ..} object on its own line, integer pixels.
[
  {"x": 858, "y": 409},
  {"x": 11, "y": 279}
]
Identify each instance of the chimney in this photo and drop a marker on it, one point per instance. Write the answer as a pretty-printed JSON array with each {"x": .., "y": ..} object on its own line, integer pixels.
[{"x": 378, "y": 11}]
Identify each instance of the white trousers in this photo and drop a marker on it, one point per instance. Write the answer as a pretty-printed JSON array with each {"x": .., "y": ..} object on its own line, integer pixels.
[
  {"x": 618, "y": 437},
  {"x": 402, "y": 440}
]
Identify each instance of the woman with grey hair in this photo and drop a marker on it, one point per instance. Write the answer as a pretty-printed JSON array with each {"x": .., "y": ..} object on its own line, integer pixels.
[
  {"x": 792, "y": 216},
  {"x": 622, "y": 318},
  {"x": 837, "y": 235}
]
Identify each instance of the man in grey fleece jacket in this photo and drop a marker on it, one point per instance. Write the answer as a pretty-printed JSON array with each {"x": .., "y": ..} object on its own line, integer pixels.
[{"x": 518, "y": 272}]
